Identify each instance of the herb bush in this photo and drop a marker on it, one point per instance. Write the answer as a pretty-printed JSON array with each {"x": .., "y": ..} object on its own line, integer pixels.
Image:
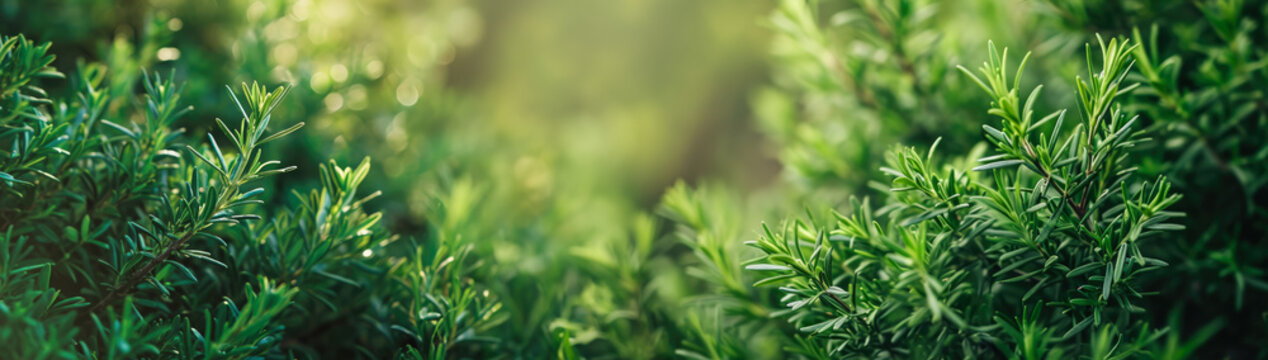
[
  {"x": 1098, "y": 197},
  {"x": 109, "y": 227}
]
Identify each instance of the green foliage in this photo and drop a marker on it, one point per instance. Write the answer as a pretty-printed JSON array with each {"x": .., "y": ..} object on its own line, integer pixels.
[
  {"x": 1212, "y": 120},
  {"x": 27, "y": 129},
  {"x": 1059, "y": 244},
  {"x": 1114, "y": 212},
  {"x": 857, "y": 76},
  {"x": 126, "y": 240},
  {"x": 953, "y": 263},
  {"x": 729, "y": 310}
]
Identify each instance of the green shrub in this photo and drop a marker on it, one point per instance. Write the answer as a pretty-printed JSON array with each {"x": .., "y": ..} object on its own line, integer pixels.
[
  {"x": 126, "y": 239},
  {"x": 1025, "y": 259},
  {"x": 838, "y": 57},
  {"x": 1116, "y": 213}
]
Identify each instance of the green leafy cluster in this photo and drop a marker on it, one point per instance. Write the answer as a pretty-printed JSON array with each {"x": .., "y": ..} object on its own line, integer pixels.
[
  {"x": 1069, "y": 239},
  {"x": 1116, "y": 211},
  {"x": 856, "y": 76},
  {"x": 1206, "y": 103},
  {"x": 122, "y": 238},
  {"x": 1032, "y": 260}
]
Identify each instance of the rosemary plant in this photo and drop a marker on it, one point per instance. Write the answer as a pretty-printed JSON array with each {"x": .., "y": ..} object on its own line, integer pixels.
[
  {"x": 123, "y": 238},
  {"x": 1030, "y": 253},
  {"x": 1115, "y": 211}
]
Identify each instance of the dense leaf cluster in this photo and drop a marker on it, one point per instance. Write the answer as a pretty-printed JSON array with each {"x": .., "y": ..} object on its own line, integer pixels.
[
  {"x": 1115, "y": 211},
  {"x": 1127, "y": 227},
  {"x": 1033, "y": 259},
  {"x": 124, "y": 238}
]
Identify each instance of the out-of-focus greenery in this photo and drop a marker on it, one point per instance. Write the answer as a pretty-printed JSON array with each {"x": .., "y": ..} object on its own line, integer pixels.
[{"x": 571, "y": 178}]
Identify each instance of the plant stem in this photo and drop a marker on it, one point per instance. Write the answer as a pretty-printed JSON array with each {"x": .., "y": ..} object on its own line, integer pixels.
[{"x": 141, "y": 274}]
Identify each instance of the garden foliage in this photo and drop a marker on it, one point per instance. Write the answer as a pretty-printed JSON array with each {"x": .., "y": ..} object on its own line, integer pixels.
[{"x": 1099, "y": 194}]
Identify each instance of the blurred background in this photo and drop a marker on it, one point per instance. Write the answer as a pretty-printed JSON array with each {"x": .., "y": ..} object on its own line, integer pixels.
[
  {"x": 633, "y": 94},
  {"x": 610, "y": 100}
]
